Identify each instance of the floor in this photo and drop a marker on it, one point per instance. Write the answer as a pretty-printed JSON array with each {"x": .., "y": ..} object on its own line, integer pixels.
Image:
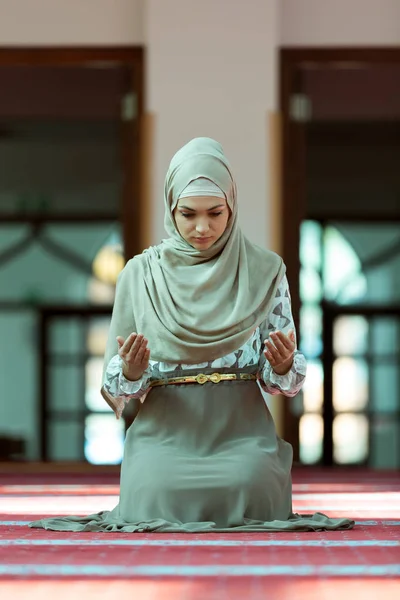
[{"x": 361, "y": 563}]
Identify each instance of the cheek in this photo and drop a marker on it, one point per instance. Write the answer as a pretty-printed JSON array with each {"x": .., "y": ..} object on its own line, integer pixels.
[
  {"x": 182, "y": 224},
  {"x": 224, "y": 223}
]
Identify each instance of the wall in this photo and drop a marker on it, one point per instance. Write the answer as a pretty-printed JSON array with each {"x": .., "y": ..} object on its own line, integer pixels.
[
  {"x": 302, "y": 22},
  {"x": 70, "y": 22},
  {"x": 211, "y": 72},
  {"x": 340, "y": 22},
  {"x": 211, "y": 67}
]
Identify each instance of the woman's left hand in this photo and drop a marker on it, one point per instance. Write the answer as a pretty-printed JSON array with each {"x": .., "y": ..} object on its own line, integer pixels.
[{"x": 280, "y": 353}]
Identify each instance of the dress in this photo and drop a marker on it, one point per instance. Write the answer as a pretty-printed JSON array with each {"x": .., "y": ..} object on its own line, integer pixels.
[{"x": 206, "y": 458}]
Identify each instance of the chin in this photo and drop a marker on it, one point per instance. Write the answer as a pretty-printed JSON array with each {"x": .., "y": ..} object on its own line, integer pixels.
[{"x": 204, "y": 246}]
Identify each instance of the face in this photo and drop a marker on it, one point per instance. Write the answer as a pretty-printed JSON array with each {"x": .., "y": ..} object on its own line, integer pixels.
[{"x": 201, "y": 220}]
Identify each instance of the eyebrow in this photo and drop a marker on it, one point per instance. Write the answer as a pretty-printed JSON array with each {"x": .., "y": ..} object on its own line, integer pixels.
[{"x": 193, "y": 210}]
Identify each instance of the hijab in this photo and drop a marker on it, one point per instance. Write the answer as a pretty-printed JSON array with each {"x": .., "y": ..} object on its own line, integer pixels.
[{"x": 195, "y": 305}]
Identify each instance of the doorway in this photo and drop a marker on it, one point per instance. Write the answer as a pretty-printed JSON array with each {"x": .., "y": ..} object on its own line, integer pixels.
[
  {"x": 341, "y": 244},
  {"x": 70, "y": 197}
]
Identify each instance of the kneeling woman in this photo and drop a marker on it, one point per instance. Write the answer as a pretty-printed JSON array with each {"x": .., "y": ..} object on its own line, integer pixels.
[{"x": 200, "y": 322}]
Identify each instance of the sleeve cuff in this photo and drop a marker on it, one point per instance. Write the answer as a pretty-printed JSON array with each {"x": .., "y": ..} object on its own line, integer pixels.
[
  {"x": 128, "y": 387},
  {"x": 286, "y": 382}
]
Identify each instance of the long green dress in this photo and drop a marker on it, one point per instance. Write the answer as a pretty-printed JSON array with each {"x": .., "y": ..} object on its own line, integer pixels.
[{"x": 206, "y": 458}]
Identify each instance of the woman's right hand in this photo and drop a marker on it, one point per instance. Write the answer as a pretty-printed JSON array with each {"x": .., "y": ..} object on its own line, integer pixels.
[{"x": 134, "y": 354}]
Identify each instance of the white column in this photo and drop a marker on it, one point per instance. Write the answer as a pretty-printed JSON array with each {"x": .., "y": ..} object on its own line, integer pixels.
[{"x": 212, "y": 71}]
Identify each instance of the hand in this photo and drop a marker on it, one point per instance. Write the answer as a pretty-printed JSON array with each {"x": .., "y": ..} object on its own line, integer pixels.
[
  {"x": 135, "y": 355},
  {"x": 280, "y": 353}
]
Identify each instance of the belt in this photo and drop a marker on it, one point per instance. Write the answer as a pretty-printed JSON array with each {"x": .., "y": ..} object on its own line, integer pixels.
[{"x": 201, "y": 378}]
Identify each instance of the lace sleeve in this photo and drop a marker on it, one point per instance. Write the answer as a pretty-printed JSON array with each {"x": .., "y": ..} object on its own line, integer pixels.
[
  {"x": 118, "y": 391},
  {"x": 281, "y": 319}
]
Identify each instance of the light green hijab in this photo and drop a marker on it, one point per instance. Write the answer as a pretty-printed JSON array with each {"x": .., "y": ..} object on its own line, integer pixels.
[{"x": 196, "y": 305}]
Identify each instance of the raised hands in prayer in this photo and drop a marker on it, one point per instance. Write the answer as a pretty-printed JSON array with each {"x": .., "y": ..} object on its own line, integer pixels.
[
  {"x": 135, "y": 355},
  {"x": 279, "y": 351}
]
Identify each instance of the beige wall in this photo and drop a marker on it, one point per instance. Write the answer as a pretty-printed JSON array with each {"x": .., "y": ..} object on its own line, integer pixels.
[
  {"x": 340, "y": 22},
  {"x": 69, "y": 22},
  {"x": 302, "y": 22},
  {"x": 211, "y": 67},
  {"x": 211, "y": 72}
]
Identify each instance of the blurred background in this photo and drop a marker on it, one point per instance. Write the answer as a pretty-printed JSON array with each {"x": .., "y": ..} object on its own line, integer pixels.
[{"x": 96, "y": 96}]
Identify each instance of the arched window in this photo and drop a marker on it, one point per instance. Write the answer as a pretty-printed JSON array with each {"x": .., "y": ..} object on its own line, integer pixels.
[
  {"x": 331, "y": 270},
  {"x": 104, "y": 435}
]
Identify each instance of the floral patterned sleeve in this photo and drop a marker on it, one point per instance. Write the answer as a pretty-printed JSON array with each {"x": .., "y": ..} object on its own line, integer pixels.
[
  {"x": 281, "y": 319},
  {"x": 118, "y": 390}
]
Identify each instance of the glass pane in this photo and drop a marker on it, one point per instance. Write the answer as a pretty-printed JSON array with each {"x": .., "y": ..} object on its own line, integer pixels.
[
  {"x": 313, "y": 392},
  {"x": 311, "y": 436},
  {"x": 350, "y": 439},
  {"x": 385, "y": 336},
  {"x": 61, "y": 166},
  {"x": 65, "y": 441},
  {"x": 385, "y": 393},
  {"x": 310, "y": 244},
  {"x": 108, "y": 263},
  {"x": 350, "y": 384},
  {"x": 350, "y": 335},
  {"x": 99, "y": 292},
  {"x": 19, "y": 378},
  {"x": 11, "y": 234},
  {"x": 65, "y": 388},
  {"x": 343, "y": 280},
  {"x": 93, "y": 398},
  {"x": 84, "y": 239},
  {"x": 311, "y": 330},
  {"x": 66, "y": 335},
  {"x": 383, "y": 283},
  {"x": 37, "y": 276},
  {"x": 104, "y": 439},
  {"x": 97, "y": 336},
  {"x": 385, "y": 445},
  {"x": 377, "y": 247},
  {"x": 310, "y": 285}
]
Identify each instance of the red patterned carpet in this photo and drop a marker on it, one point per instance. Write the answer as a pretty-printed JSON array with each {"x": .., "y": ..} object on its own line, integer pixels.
[{"x": 362, "y": 563}]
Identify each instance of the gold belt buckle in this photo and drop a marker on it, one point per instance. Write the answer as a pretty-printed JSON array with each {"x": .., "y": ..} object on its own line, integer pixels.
[
  {"x": 215, "y": 377},
  {"x": 201, "y": 378}
]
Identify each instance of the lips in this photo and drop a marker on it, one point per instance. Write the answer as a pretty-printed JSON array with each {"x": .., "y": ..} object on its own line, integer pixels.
[{"x": 202, "y": 239}]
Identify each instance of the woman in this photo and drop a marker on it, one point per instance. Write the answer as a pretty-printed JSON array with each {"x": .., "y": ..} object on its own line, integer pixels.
[{"x": 198, "y": 322}]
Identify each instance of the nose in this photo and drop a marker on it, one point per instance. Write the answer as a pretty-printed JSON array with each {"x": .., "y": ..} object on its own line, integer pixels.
[{"x": 202, "y": 226}]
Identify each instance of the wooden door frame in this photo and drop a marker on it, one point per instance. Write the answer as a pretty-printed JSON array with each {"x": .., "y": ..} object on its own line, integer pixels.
[
  {"x": 293, "y": 175},
  {"x": 131, "y": 57}
]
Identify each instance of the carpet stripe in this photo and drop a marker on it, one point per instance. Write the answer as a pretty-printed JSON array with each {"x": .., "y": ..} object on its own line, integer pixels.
[
  {"x": 201, "y": 571},
  {"x": 202, "y": 543},
  {"x": 364, "y": 523}
]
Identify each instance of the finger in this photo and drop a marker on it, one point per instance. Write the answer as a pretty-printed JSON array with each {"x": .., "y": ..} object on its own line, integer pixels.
[
  {"x": 146, "y": 358},
  {"x": 273, "y": 351},
  {"x": 128, "y": 343},
  {"x": 269, "y": 357},
  {"x": 120, "y": 341},
  {"x": 292, "y": 336},
  {"x": 282, "y": 349},
  {"x": 131, "y": 356},
  {"x": 141, "y": 351},
  {"x": 284, "y": 340}
]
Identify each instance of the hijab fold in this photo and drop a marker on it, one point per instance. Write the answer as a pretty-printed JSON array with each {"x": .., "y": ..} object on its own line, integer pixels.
[{"x": 196, "y": 305}]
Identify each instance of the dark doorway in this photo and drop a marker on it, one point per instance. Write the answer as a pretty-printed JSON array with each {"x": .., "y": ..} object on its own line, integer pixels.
[
  {"x": 341, "y": 243},
  {"x": 70, "y": 198}
]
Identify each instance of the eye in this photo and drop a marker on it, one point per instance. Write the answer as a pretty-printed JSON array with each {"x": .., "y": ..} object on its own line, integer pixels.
[
  {"x": 216, "y": 214},
  {"x": 187, "y": 215}
]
